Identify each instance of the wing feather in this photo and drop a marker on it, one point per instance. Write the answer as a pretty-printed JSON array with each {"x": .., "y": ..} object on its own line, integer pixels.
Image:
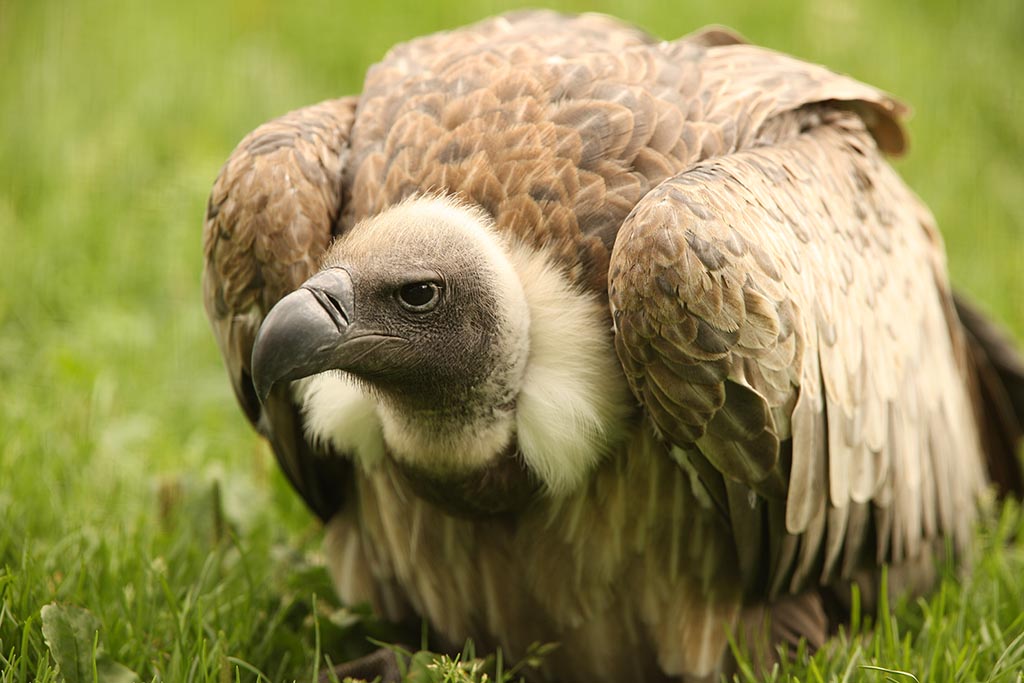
[{"x": 810, "y": 440}]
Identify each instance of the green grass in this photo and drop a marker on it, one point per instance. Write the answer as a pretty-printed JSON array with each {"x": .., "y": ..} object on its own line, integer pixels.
[{"x": 130, "y": 484}]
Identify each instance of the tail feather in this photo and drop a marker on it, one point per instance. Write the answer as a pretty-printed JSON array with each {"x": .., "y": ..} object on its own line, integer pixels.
[{"x": 999, "y": 400}]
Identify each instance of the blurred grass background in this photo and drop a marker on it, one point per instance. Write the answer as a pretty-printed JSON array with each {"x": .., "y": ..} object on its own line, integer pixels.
[{"x": 115, "y": 413}]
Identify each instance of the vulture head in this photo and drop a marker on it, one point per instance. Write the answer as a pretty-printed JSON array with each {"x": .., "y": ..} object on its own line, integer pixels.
[{"x": 428, "y": 325}]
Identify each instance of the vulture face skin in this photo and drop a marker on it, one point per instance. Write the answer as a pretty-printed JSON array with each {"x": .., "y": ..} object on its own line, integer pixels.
[{"x": 570, "y": 334}]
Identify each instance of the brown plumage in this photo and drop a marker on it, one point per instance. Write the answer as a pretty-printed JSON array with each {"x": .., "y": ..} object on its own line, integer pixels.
[{"x": 810, "y": 405}]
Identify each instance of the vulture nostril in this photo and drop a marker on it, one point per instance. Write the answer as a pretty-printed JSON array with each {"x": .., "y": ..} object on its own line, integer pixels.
[
  {"x": 336, "y": 305},
  {"x": 332, "y": 305}
]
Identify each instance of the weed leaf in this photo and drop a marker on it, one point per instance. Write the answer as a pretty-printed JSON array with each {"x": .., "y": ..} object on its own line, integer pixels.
[{"x": 71, "y": 634}]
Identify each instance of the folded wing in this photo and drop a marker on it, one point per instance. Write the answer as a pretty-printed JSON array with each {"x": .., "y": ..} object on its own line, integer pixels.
[{"x": 783, "y": 314}]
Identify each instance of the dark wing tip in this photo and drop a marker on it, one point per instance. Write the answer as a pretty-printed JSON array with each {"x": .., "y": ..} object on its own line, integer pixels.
[{"x": 999, "y": 374}]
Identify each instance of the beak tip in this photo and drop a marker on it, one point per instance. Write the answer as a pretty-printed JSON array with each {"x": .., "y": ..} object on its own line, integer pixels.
[
  {"x": 261, "y": 382},
  {"x": 262, "y": 391},
  {"x": 270, "y": 357}
]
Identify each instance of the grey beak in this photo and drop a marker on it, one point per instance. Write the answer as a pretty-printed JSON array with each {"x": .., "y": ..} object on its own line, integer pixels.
[{"x": 305, "y": 332}]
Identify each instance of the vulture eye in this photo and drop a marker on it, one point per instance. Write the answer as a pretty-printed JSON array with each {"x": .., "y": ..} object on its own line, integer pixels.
[{"x": 419, "y": 297}]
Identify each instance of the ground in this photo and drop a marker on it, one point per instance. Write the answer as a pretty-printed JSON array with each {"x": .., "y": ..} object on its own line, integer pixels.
[{"x": 130, "y": 484}]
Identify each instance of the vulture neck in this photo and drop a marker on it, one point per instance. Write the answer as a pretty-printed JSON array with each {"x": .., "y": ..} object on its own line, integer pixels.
[{"x": 454, "y": 429}]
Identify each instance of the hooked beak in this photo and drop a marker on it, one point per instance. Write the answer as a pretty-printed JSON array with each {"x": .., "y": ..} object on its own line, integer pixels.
[{"x": 305, "y": 332}]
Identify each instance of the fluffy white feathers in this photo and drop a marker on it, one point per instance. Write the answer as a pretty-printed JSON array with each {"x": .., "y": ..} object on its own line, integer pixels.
[
  {"x": 574, "y": 400},
  {"x": 336, "y": 410}
]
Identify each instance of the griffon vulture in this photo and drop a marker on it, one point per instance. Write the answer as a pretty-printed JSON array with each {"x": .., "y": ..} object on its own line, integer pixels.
[{"x": 568, "y": 334}]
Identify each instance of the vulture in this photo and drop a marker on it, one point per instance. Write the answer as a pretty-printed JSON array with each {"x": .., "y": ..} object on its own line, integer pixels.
[{"x": 569, "y": 334}]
